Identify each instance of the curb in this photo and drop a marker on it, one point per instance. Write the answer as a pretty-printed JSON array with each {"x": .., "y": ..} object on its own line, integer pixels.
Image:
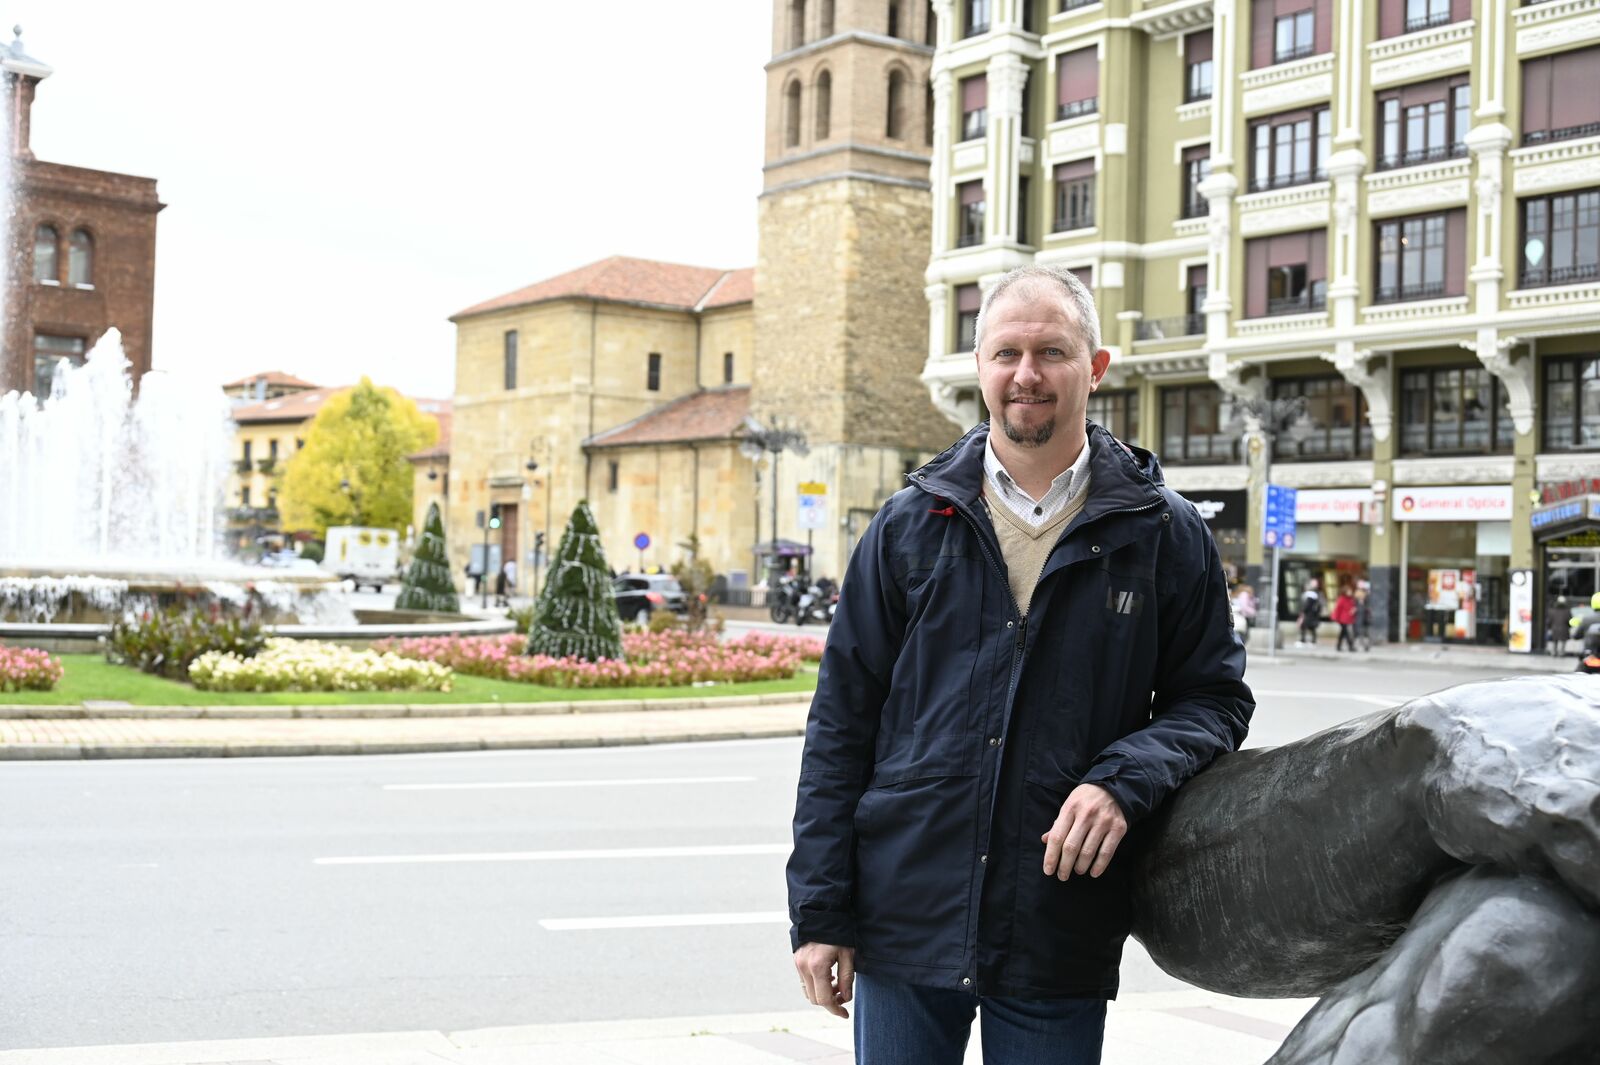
[{"x": 333, "y": 711}]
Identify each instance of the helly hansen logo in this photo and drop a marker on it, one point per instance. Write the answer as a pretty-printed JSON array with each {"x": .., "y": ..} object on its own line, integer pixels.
[{"x": 1129, "y": 603}]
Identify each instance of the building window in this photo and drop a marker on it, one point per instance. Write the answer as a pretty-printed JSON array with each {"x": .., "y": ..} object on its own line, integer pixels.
[
  {"x": 652, "y": 379},
  {"x": 930, "y": 26},
  {"x": 1454, "y": 411},
  {"x": 894, "y": 19},
  {"x": 1554, "y": 108},
  {"x": 1074, "y": 195},
  {"x": 969, "y": 231},
  {"x": 968, "y": 299},
  {"x": 1285, "y": 30},
  {"x": 46, "y": 242},
  {"x": 727, "y": 367},
  {"x": 80, "y": 259},
  {"x": 299, "y": 443},
  {"x": 1023, "y": 193},
  {"x": 825, "y": 19},
  {"x": 797, "y": 23},
  {"x": 791, "y": 115},
  {"x": 974, "y": 107},
  {"x": 1084, "y": 274},
  {"x": 1289, "y": 149},
  {"x": 1197, "y": 66},
  {"x": 1030, "y": 23},
  {"x": 824, "y": 105},
  {"x": 975, "y": 18},
  {"x": 272, "y": 450},
  {"x": 1196, "y": 168},
  {"x": 611, "y": 475},
  {"x": 510, "y": 359},
  {"x": 1426, "y": 14},
  {"x": 1117, "y": 412},
  {"x": 1077, "y": 83},
  {"x": 927, "y": 112},
  {"x": 244, "y": 496},
  {"x": 1286, "y": 274},
  {"x": 49, "y": 354},
  {"x": 272, "y": 498},
  {"x": 1191, "y": 426},
  {"x": 1561, "y": 239},
  {"x": 1424, "y": 123},
  {"x": 244, "y": 463},
  {"x": 1571, "y": 406},
  {"x": 896, "y": 124},
  {"x": 1422, "y": 258},
  {"x": 1335, "y": 424},
  {"x": 1073, "y": 5}
]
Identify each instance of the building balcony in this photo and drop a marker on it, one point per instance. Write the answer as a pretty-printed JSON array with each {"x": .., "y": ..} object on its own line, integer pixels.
[
  {"x": 1181, "y": 325},
  {"x": 1197, "y": 207},
  {"x": 1067, "y": 223},
  {"x": 1418, "y": 156},
  {"x": 968, "y": 240},
  {"x": 1284, "y": 181},
  {"x": 1074, "y": 108},
  {"x": 1404, "y": 293},
  {"x": 1565, "y": 133},
  {"x": 1541, "y": 276},
  {"x": 1299, "y": 51},
  {"x": 1427, "y": 22},
  {"x": 1305, "y": 303}
]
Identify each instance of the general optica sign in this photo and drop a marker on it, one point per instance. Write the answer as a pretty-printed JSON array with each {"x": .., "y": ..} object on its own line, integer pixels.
[
  {"x": 1476, "y": 502},
  {"x": 1330, "y": 504}
]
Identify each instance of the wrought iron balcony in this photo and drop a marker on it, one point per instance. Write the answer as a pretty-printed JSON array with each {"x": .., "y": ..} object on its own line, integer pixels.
[
  {"x": 1198, "y": 207},
  {"x": 968, "y": 239},
  {"x": 1418, "y": 156},
  {"x": 1566, "y": 133},
  {"x": 1182, "y": 325},
  {"x": 1074, "y": 108},
  {"x": 1542, "y": 276},
  {"x": 1283, "y": 181},
  {"x": 1401, "y": 293},
  {"x": 1304, "y": 303},
  {"x": 1289, "y": 55},
  {"x": 1067, "y": 222},
  {"x": 1428, "y": 22}
]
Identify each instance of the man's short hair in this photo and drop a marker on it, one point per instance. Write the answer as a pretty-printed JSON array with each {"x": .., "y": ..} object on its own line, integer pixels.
[{"x": 1077, "y": 294}]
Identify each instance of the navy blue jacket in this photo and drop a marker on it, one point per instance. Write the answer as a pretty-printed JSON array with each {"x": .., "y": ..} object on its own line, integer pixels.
[{"x": 947, "y": 729}]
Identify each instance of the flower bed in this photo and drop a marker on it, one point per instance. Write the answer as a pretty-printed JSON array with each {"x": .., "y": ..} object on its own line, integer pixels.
[
  {"x": 308, "y": 666},
  {"x": 25, "y": 669},
  {"x": 809, "y": 649},
  {"x": 653, "y": 660}
]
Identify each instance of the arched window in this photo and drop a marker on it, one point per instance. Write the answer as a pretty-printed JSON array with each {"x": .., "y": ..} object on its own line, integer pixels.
[
  {"x": 797, "y": 23},
  {"x": 824, "y": 105},
  {"x": 894, "y": 18},
  {"x": 45, "y": 265},
  {"x": 791, "y": 115},
  {"x": 825, "y": 19},
  {"x": 80, "y": 258},
  {"x": 897, "y": 105}
]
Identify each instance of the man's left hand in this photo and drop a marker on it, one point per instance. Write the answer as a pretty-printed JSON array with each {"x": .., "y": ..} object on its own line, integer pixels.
[{"x": 1085, "y": 835}]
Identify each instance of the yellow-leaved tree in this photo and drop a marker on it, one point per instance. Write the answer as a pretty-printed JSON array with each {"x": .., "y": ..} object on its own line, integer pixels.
[{"x": 353, "y": 469}]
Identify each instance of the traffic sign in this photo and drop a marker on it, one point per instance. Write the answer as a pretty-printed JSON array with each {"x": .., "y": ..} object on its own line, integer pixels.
[
  {"x": 642, "y": 541},
  {"x": 813, "y": 505},
  {"x": 1278, "y": 527}
]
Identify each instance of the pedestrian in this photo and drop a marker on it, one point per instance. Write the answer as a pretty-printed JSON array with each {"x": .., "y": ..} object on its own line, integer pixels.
[
  {"x": 1310, "y": 613},
  {"x": 1244, "y": 609},
  {"x": 1364, "y": 616},
  {"x": 1557, "y": 621},
  {"x": 509, "y": 570},
  {"x": 1344, "y": 615},
  {"x": 1031, "y": 653},
  {"x": 500, "y": 587}
]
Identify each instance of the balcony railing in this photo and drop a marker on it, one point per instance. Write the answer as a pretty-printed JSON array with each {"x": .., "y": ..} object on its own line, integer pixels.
[
  {"x": 1067, "y": 222},
  {"x": 1418, "y": 156},
  {"x": 267, "y": 466},
  {"x": 1427, "y": 22},
  {"x": 1074, "y": 108},
  {"x": 1289, "y": 55},
  {"x": 1198, "y": 207},
  {"x": 1566, "y": 133},
  {"x": 968, "y": 239},
  {"x": 976, "y": 29},
  {"x": 1304, "y": 303},
  {"x": 1283, "y": 181},
  {"x": 244, "y": 466},
  {"x": 1073, "y": 5},
  {"x": 1401, "y": 293},
  {"x": 1540, "y": 276},
  {"x": 1182, "y": 325}
]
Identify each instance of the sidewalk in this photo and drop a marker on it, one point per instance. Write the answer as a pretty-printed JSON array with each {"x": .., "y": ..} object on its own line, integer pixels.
[
  {"x": 1447, "y": 655},
  {"x": 1189, "y": 1027}
]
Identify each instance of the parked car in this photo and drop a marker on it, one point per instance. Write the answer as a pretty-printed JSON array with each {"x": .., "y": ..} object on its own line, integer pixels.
[{"x": 639, "y": 595}]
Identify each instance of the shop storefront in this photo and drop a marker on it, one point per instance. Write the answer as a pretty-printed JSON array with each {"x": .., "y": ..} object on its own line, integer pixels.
[
  {"x": 1455, "y": 552},
  {"x": 1332, "y": 543},
  {"x": 1567, "y": 533},
  {"x": 1226, "y": 515}
]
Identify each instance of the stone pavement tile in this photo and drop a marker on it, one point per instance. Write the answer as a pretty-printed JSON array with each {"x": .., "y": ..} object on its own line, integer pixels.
[
  {"x": 806, "y": 1023},
  {"x": 1139, "y": 1037},
  {"x": 688, "y": 1050},
  {"x": 785, "y": 1045},
  {"x": 218, "y": 1051},
  {"x": 541, "y": 1054}
]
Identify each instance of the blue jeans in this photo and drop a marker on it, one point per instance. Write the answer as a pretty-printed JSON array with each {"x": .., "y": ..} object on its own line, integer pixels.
[{"x": 904, "y": 1024}]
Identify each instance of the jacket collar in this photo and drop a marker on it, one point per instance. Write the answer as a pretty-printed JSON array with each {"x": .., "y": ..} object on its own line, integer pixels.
[{"x": 1121, "y": 477}]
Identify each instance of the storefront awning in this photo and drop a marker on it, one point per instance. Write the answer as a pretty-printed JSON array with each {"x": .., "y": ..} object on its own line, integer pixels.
[{"x": 1576, "y": 514}]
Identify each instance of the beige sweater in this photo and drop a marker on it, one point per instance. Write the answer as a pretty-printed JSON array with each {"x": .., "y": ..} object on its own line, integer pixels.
[{"x": 1026, "y": 548}]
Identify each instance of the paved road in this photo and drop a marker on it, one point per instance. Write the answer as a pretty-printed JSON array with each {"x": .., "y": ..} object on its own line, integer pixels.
[{"x": 159, "y": 901}]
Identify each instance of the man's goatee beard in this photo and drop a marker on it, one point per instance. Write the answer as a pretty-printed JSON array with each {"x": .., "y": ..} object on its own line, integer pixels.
[{"x": 1037, "y": 437}]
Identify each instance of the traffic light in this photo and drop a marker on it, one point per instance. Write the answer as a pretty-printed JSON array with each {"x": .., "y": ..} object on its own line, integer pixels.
[
  {"x": 538, "y": 543},
  {"x": 494, "y": 515}
]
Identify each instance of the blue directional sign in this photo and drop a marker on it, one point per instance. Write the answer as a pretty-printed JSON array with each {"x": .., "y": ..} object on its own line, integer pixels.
[{"x": 1277, "y": 530}]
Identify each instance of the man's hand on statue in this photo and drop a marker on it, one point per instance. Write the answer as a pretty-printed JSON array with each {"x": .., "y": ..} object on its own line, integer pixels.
[
  {"x": 815, "y": 962},
  {"x": 1085, "y": 835}
]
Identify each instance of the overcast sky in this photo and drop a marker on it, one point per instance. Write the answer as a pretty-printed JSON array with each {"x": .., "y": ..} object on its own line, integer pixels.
[{"x": 341, "y": 177}]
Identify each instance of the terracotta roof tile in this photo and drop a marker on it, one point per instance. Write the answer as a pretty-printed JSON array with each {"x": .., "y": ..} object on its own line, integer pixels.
[
  {"x": 303, "y": 406},
  {"x": 710, "y": 414},
  {"x": 622, "y": 280},
  {"x": 736, "y": 286},
  {"x": 272, "y": 377}
]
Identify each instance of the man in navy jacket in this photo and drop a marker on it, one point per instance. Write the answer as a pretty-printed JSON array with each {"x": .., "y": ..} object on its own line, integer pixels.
[{"x": 971, "y": 765}]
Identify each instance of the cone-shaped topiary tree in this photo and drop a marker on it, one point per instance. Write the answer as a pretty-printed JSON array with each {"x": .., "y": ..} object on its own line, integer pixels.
[
  {"x": 428, "y": 584},
  {"x": 576, "y": 613}
]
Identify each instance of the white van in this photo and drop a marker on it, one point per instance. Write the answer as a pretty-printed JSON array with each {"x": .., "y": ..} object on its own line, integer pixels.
[{"x": 361, "y": 554}]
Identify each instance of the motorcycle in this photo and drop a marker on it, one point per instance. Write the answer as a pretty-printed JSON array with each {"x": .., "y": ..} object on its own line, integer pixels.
[
  {"x": 784, "y": 601},
  {"x": 818, "y": 602}
]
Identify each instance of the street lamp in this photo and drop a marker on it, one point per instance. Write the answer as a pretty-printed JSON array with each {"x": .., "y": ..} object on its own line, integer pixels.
[
  {"x": 355, "y": 500},
  {"x": 774, "y": 439}
]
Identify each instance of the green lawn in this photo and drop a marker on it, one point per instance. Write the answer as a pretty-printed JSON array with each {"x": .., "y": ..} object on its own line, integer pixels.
[{"x": 92, "y": 677}]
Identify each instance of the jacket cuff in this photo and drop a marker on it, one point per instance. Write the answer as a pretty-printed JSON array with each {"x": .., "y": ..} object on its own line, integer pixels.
[
  {"x": 1106, "y": 775},
  {"x": 823, "y": 926}
]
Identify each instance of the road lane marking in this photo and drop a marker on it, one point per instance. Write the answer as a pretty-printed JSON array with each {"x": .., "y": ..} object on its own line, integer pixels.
[
  {"x": 636, "y": 782},
  {"x": 720, "y": 851},
  {"x": 1359, "y": 697},
  {"x": 665, "y": 920}
]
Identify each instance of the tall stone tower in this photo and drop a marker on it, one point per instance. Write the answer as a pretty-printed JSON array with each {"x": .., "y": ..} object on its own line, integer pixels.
[{"x": 845, "y": 228}]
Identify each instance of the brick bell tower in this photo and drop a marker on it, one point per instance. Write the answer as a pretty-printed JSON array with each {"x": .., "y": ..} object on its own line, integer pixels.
[{"x": 845, "y": 226}]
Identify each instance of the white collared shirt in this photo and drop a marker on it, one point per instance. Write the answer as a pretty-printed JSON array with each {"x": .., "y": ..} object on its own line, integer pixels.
[{"x": 1035, "y": 512}]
